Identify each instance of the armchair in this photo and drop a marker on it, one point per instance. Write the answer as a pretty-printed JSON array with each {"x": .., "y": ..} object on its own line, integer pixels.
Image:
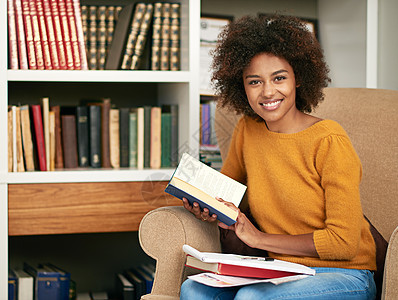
[{"x": 370, "y": 118}]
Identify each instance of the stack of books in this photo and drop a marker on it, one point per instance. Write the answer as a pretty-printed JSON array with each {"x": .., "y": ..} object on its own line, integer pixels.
[
  {"x": 46, "y": 35},
  {"x": 147, "y": 36},
  {"x": 44, "y": 281},
  {"x": 133, "y": 283},
  {"x": 92, "y": 134}
]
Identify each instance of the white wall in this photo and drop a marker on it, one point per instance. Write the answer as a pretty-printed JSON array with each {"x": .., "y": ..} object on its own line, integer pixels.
[{"x": 343, "y": 37}]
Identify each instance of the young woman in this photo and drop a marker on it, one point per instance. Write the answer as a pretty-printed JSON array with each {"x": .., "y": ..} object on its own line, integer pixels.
[{"x": 302, "y": 172}]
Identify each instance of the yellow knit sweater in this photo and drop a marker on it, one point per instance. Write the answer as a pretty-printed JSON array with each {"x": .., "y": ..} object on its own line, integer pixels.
[{"x": 305, "y": 182}]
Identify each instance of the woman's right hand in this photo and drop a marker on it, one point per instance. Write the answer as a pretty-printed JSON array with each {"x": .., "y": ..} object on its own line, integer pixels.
[{"x": 195, "y": 210}]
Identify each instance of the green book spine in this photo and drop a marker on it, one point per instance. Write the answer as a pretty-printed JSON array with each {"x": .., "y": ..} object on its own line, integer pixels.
[
  {"x": 166, "y": 139},
  {"x": 133, "y": 139}
]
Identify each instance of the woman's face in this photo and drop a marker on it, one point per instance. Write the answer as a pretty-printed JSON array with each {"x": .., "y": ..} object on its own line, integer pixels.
[{"x": 270, "y": 87}]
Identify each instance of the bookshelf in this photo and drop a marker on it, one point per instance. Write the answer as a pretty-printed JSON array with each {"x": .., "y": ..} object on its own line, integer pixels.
[{"x": 93, "y": 200}]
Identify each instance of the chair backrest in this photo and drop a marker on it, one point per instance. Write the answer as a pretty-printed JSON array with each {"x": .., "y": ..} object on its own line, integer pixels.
[{"x": 370, "y": 117}]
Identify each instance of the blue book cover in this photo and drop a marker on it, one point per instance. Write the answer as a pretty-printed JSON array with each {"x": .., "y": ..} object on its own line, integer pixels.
[
  {"x": 47, "y": 283},
  {"x": 12, "y": 286},
  {"x": 64, "y": 278}
]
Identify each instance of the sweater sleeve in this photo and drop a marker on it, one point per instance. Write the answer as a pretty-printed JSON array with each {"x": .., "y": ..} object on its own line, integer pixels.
[
  {"x": 234, "y": 166},
  {"x": 341, "y": 171}
]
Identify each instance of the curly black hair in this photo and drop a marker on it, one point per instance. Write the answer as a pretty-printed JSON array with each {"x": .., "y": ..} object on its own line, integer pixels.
[{"x": 283, "y": 36}]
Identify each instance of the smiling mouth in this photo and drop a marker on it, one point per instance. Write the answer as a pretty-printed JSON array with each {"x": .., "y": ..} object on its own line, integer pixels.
[{"x": 271, "y": 104}]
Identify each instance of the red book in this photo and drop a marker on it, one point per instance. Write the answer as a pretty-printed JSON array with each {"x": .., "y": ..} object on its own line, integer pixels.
[
  {"x": 12, "y": 37},
  {"x": 22, "y": 53},
  {"x": 29, "y": 34},
  {"x": 65, "y": 35},
  {"x": 58, "y": 33},
  {"x": 43, "y": 35},
  {"x": 243, "y": 266},
  {"x": 36, "y": 35},
  {"x": 80, "y": 34},
  {"x": 52, "y": 43},
  {"x": 39, "y": 136},
  {"x": 70, "y": 14}
]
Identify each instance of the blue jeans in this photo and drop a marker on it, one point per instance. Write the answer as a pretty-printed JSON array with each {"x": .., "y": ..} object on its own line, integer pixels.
[{"x": 328, "y": 283}]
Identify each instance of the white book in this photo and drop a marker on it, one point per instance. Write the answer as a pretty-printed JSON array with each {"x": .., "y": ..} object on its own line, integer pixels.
[{"x": 25, "y": 285}]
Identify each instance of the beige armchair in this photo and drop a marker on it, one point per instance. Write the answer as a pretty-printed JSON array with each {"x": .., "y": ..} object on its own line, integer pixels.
[{"x": 370, "y": 116}]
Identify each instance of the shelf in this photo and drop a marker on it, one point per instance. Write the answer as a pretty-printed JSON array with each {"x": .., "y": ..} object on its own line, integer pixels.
[
  {"x": 98, "y": 76},
  {"x": 88, "y": 175},
  {"x": 65, "y": 208}
]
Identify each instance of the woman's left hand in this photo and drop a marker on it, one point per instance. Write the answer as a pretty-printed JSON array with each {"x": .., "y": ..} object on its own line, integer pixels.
[{"x": 244, "y": 228}]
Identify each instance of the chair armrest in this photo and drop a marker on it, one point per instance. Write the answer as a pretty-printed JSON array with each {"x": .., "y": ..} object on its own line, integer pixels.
[
  {"x": 390, "y": 288},
  {"x": 162, "y": 233}
]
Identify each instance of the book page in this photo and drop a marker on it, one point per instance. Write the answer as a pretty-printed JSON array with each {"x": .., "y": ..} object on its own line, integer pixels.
[
  {"x": 209, "y": 180},
  {"x": 216, "y": 280}
]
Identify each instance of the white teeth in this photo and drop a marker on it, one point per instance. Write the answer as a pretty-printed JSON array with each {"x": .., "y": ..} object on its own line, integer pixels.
[{"x": 271, "y": 103}]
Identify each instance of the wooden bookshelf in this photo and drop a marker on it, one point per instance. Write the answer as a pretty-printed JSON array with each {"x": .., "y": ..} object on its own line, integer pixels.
[{"x": 64, "y": 208}]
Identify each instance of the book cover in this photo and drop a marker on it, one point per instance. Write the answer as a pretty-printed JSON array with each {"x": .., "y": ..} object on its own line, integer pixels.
[
  {"x": 94, "y": 112},
  {"x": 30, "y": 46},
  {"x": 82, "y": 135},
  {"x": 175, "y": 37},
  {"x": 92, "y": 37},
  {"x": 243, "y": 266},
  {"x": 156, "y": 32},
  {"x": 141, "y": 38},
  {"x": 138, "y": 282},
  {"x": 25, "y": 285},
  {"x": 51, "y": 115},
  {"x": 114, "y": 137},
  {"x": 110, "y": 25},
  {"x": 54, "y": 12},
  {"x": 27, "y": 138},
  {"x": 124, "y": 126},
  {"x": 43, "y": 35},
  {"x": 140, "y": 137},
  {"x": 63, "y": 18},
  {"x": 72, "y": 23},
  {"x": 12, "y": 285},
  {"x": 146, "y": 278},
  {"x": 47, "y": 283},
  {"x": 138, "y": 16},
  {"x": 155, "y": 143},
  {"x": 173, "y": 110},
  {"x": 12, "y": 37},
  {"x": 69, "y": 140},
  {"x": 205, "y": 124},
  {"x": 133, "y": 139},
  {"x": 124, "y": 287},
  {"x": 116, "y": 50},
  {"x": 147, "y": 136},
  {"x": 101, "y": 37},
  {"x": 59, "y": 159},
  {"x": 80, "y": 34},
  {"x": 39, "y": 136},
  {"x": 22, "y": 52},
  {"x": 45, "y": 106},
  {"x": 64, "y": 279},
  {"x": 105, "y": 150},
  {"x": 36, "y": 36},
  {"x": 52, "y": 42},
  {"x": 165, "y": 38},
  {"x": 10, "y": 140},
  {"x": 200, "y": 183},
  {"x": 166, "y": 140}
]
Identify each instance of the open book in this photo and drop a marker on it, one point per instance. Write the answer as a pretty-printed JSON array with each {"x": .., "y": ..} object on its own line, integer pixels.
[
  {"x": 200, "y": 183},
  {"x": 243, "y": 266}
]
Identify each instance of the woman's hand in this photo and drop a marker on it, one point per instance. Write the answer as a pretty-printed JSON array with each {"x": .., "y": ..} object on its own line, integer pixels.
[
  {"x": 244, "y": 228},
  {"x": 195, "y": 210}
]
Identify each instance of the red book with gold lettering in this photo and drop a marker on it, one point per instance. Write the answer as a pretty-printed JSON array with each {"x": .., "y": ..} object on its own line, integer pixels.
[{"x": 39, "y": 136}]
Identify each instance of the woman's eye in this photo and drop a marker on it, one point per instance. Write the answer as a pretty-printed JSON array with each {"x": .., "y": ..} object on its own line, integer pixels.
[
  {"x": 280, "y": 78},
  {"x": 253, "y": 82}
]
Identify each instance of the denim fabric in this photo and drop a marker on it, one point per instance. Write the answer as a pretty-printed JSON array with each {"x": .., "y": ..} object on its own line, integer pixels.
[{"x": 328, "y": 283}]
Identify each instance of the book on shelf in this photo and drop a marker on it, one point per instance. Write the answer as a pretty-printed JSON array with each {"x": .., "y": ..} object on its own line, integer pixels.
[
  {"x": 133, "y": 138},
  {"x": 18, "y": 158},
  {"x": 64, "y": 279},
  {"x": 94, "y": 113},
  {"x": 79, "y": 33},
  {"x": 30, "y": 46},
  {"x": 105, "y": 150},
  {"x": 114, "y": 137},
  {"x": 64, "y": 64},
  {"x": 39, "y": 136},
  {"x": 12, "y": 37},
  {"x": 124, "y": 287},
  {"x": 52, "y": 42},
  {"x": 140, "y": 137},
  {"x": 124, "y": 135},
  {"x": 25, "y": 285},
  {"x": 59, "y": 160},
  {"x": 147, "y": 136},
  {"x": 10, "y": 140},
  {"x": 21, "y": 39},
  {"x": 63, "y": 19},
  {"x": 82, "y": 135},
  {"x": 175, "y": 37},
  {"x": 73, "y": 34},
  {"x": 48, "y": 65},
  {"x": 165, "y": 38},
  {"x": 200, "y": 183},
  {"x": 47, "y": 282},
  {"x": 69, "y": 138},
  {"x": 36, "y": 36},
  {"x": 155, "y": 139},
  {"x": 45, "y": 107},
  {"x": 166, "y": 139},
  {"x": 101, "y": 37},
  {"x": 156, "y": 32},
  {"x": 12, "y": 285},
  {"x": 243, "y": 266}
]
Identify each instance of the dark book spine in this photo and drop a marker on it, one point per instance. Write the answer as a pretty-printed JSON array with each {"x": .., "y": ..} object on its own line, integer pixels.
[
  {"x": 105, "y": 150},
  {"x": 59, "y": 159},
  {"x": 69, "y": 141},
  {"x": 124, "y": 119},
  {"x": 95, "y": 135},
  {"x": 82, "y": 135},
  {"x": 174, "y": 135}
]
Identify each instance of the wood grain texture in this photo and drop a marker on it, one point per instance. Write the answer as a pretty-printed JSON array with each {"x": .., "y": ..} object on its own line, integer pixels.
[{"x": 62, "y": 208}]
